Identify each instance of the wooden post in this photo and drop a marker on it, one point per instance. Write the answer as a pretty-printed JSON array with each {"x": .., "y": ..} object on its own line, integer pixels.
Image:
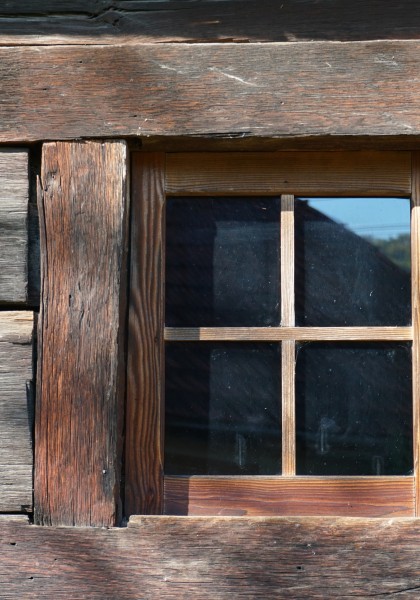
[
  {"x": 145, "y": 379},
  {"x": 79, "y": 412}
]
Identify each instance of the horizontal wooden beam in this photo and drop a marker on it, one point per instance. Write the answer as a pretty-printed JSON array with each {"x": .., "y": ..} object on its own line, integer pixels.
[
  {"x": 212, "y": 558},
  {"x": 75, "y": 21},
  {"x": 303, "y": 173},
  {"x": 274, "y": 334},
  {"x": 16, "y": 411},
  {"x": 288, "y": 496},
  {"x": 217, "y": 90},
  {"x": 14, "y": 217}
]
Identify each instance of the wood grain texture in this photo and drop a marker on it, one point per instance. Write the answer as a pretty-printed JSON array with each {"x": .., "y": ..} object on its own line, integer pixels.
[
  {"x": 212, "y": 559},
  {"x": 124, "y": 21},
  {"x": 287, "y": 278},
  {"x": 415, "y": 301},
  {"x": 223, "y": 90},
  {"x": 287, "y": 268},
  {"x": 303, "y": 173},
  {"x": 299, "y": 496},
  {"x": 16, "y": 411},
  {"x": 288, "y": 408},
  {"x": 14, "y": 198},
  {"x": 227, "y": 334},
  {"x": 303, "y": 143},
  {"x": 145, "y": 380},
  {"x": 83, "y": 207}
]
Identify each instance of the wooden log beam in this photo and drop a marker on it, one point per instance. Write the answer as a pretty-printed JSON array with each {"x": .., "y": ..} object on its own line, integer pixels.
[
  {"x": 212, "y": 558},
  {"x": 229, "y": 91},
  {"x": 83, "y": 208},
  {"x": 106, "y": 21},
  {"x": 16, "y": 411}
]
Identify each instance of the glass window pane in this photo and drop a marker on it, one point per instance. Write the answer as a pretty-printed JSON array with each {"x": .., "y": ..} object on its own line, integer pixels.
[
  {"x": 222, "y": 262},
  {"x": 223, "y": 409},
  {"x": 354, "y": 409},
  {"x": 352, "y": 261}
]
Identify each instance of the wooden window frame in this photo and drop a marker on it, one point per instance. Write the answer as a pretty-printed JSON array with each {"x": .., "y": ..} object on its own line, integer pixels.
[{"x": 156, "y": 175}]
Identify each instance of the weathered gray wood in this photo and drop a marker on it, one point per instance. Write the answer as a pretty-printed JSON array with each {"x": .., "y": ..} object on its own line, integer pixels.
[
  {"x": 107, "y": 21},
  {"x": 231, "y": 90},
  {"x": 14, "y": 197},
  {"x": 79, "y": 410},
  {"x": 212, "y": 558},
  {"x": 16, "y": 411}
]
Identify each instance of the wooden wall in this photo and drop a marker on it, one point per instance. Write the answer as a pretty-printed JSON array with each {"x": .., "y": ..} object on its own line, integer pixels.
[
  {"x": 177, "y": 75},
  {"x": 17, "y": 279}
]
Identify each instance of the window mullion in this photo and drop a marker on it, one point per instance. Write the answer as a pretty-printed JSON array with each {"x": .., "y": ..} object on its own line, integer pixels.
[{"x": 287, "y": 277}]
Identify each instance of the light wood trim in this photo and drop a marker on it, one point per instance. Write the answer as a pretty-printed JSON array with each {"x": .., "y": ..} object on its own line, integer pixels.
[
  {"x": 274, "y": 334},
  {"x": 145, "y": 375},
  {"x": 287, "y": 278},
  {"x": 415, "y": 282},
  {"x": 304, "y": 173},
  {"x": 294, "y": 496},
  {"x": 288, "y": 408},
  {"x": 287, "y": 271}
]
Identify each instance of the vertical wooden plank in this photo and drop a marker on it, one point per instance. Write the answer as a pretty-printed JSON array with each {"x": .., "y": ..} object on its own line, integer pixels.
[
  {"x": 287, "y": 275},
  {"x": 288, "y": 408},
  {"x": 83, "y": 206},
  {"x": 145, "y": 377},
  {"x": 415, "y": 282},
  {"x": 288, "y": 346}
]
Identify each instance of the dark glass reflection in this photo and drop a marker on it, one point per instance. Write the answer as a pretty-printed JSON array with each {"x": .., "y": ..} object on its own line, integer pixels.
[
  {"x": 352, "y": 261},
  {"x": 223, "y": 409},
  {"x": 222, "y": 262},
  {"x": 354, "y": 409}
]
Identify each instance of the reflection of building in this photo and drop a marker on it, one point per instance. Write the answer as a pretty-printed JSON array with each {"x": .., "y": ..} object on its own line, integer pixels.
[
  {"x": 342, "y": 279},
  {"x": 353, "y": 400}
]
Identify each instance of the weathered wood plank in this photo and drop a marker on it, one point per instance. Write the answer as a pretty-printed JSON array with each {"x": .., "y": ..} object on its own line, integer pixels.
[
  {"x": 16, "y": 411},
  {"x": 14, "y": 198},
  {"x": 145, "y": 371},
  {"x": 70, "y": 21},
  {"x": 212, "y": 558},
  {"x": 83, "y": 208},
  {"x": 267, "y": 90},
  {"x": 303, "y": 173},
  {"x": 304, "y": 496},
  {"x": 227, "y": 334}
]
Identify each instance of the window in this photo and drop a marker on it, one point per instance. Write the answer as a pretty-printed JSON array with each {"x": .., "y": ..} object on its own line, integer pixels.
[{"x": 287, "y": 346}]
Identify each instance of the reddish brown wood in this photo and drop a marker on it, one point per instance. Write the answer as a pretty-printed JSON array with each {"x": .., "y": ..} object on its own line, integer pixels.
[
  {"x": 303, "y": 173},
  {"x": 287, "y": 496},
  {"x": 213, "y": 559},
  {"x": 145, "y": 379},
  {"x": 81, "y": 342},
  {"x": 223, "y": 90}
]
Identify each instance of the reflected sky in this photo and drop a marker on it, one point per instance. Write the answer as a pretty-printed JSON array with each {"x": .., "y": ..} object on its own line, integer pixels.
[{"x": 382, "y": 218}]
